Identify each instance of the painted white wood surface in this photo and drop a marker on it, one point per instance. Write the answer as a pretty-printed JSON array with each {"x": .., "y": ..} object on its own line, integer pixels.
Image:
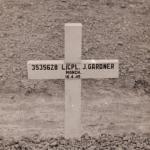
[
  {"x": 88, "y": 69},
  {"x": 73, "y": 35}
]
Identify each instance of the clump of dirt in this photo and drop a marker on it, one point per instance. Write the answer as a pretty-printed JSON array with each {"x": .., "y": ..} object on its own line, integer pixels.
[{"x": 86, "y": 142}]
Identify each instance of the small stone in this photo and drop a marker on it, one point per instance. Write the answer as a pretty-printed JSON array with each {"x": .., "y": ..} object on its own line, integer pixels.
[
  {"x": 123, "y": 5},
  {"x": 1, "y": 137},
  {"x": 10, "y": 55},
  {"x": 21, "y": 143},
  {"x": 63, "y": 1},
  {"x": 54, "y": 143},
  {"x": 20, "y": 17},
  {"x": 28, "y": 91},
  {"x": 12, "y": 97},
  {"x": 120, "y": 43},
  {"x": 85, "y": 136},
  {"x": 110, "y": 3},
  {"x": 12, "y": 142},
  {"x": 4, "y": 35},
  {"x": 1, "y": 75},
  {"x": 14, "y": 69},
  {"x": 84, "y": 4}
]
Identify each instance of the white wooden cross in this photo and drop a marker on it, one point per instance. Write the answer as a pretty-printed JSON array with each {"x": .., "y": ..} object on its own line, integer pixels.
[{"x": 72, "y": 69}]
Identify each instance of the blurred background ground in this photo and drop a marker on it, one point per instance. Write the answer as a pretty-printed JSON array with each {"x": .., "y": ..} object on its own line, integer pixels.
[{"x": 112, "y": 29}]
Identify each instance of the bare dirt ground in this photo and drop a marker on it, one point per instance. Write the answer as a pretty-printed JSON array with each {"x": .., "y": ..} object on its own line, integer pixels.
[
  {"x": 104, "y": 113},
  {"x": 34, "y": 29}
]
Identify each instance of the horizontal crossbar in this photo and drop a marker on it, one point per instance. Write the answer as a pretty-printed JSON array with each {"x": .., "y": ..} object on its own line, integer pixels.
[{"x": 58, "y": 69}]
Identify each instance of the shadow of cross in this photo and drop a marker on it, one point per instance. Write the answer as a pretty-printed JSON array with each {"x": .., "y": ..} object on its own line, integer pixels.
[{"x": 72, "y": 69}]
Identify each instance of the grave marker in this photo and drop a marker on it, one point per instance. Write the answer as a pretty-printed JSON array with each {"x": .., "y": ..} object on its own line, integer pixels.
[{"x": 72, "y": 69}]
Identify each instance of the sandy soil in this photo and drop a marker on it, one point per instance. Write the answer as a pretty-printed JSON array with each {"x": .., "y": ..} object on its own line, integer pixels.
[
  {"x": 108, "y": 111},
  {"x": 34, "y": 29}
]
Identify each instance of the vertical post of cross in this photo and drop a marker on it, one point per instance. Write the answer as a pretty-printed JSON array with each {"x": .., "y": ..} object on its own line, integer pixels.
[{"x": 73, "y": 44}]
